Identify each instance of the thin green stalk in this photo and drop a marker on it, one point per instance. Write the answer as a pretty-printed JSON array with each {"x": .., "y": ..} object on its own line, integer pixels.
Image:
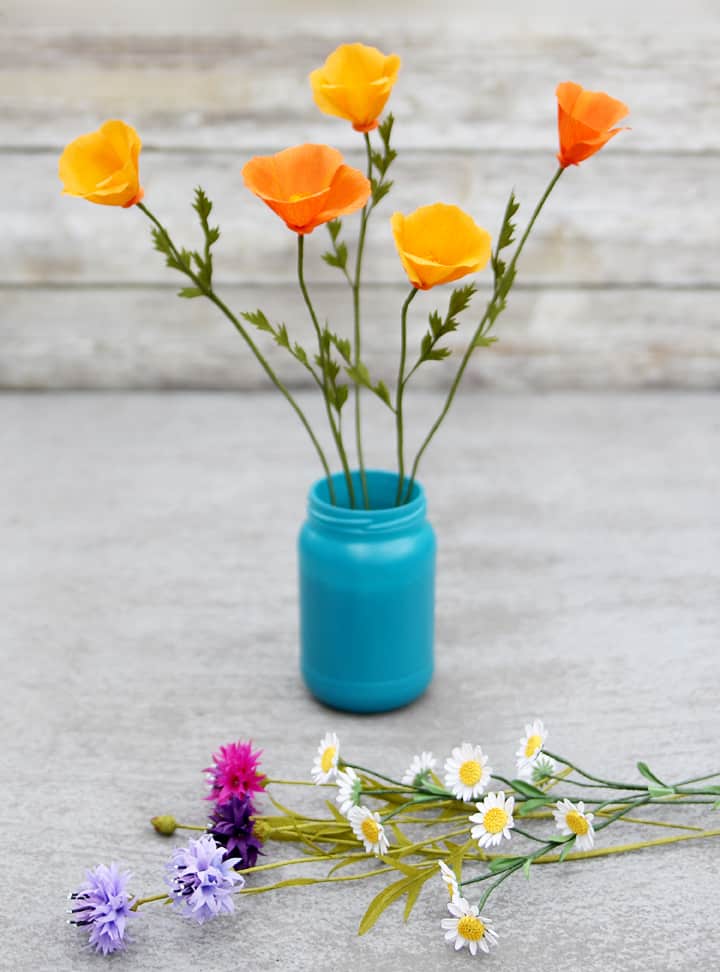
[
  {"x": 139, "y": 902},
  {"x": 480, "y": 328},
  {"x": 365, "y": 215},
  {"x": 369, "y": 772},
  {"x": 399, "y": 395},
  {"x": 212, "y": 296},
  {"x": 336, "y": 435},
  {"x": 611, "y": 784}
]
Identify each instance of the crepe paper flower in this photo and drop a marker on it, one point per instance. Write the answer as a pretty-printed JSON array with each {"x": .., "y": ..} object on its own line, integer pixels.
[
  {"x": 103, "y": 166},
  {"x": 449, "y": 880},
  {"x": 438, "y": 244},
  {"x": 355, "y": 83},
  {"x": 233, "y": 828},
  {"x": 494, "y": 819},
  {"x": 468, "y": 927},
  {"x": 419, "y": 769},
  {"x": 102, "y": 905},
  {"x": 324, "y": 768},
  {"x": 531, "y": 746},
  {"x": 235, "y": 772},
  {"x": 202, "y": 880},
  {"x": 367, "y": 827},
  {"x": 585, "y": 120},
  {"x": 349, "y": 790},
  {"x": 307, "y": 185},
  {"x": 466, "y": 772},
  {"x": 570, "y": 818}
]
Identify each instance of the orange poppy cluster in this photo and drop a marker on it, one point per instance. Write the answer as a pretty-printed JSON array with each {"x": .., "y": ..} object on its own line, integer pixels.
[{"x": 308, "y": 185}]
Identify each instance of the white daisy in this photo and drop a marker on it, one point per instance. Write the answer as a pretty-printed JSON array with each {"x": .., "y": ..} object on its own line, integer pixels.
[
  {"x": 349, "y": 786},
  {"x": 325, "y": 766},
  {"x": 468, "y": 927},
  {"x": 449, "y": 880},
  {"x": 367, "y": 827},
  {"x": 420, "y": 769},
  {"x": 531, "y": 746},
  {"x": 466, "y": 772},
  {"x": 494, "y": 819},
  {"x": 570, "y": 818}
]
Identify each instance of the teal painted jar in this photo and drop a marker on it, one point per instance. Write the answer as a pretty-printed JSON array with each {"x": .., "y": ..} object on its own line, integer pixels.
[{"x": 367, "y": 596}]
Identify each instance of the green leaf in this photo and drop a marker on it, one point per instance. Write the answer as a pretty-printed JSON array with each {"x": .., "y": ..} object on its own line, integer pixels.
[
  {"x": 436, "y": 323},
  {"x": 527, "y": 789},
  {"x": 437, "y": 354},
  {"x": 258, "y": 320},
  {"x": 341, "y": 394},
  {"x": 501, "y": 864},
  {"x": 202, "y": 205},
  {"x": 661, "y": 791},
  {"x": 484, "y": 342},
  {"x": 385, "y": 898},
  {"x": 526, "y": 868},
  {"x": 282, "y": 337},
  {"x": 460, "y": 299},
  {"x": 334, "y": 227},
  {"x": 191, "y": 292},
  {"x": 301, "y": 354},
  {"x": 566, "y": 849},
  {"x": 528, "y": 806},
  {"x": 645, "y": 771},
  {"x": 343, "y": 345},
  {"x": 338, "y": 258},
  {"x": 382, "y": 392},
  {"x": 716, "y": 805},
  {"x": 380, "y": 190}
]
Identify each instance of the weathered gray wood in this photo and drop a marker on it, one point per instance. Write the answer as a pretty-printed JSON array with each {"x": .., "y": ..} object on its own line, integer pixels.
[
  {"x": 148, "y": 592},
  {"x": 144, "y": 338},
  {"x": 468, "y": 81},
  {"x": 610, "y": 222}
]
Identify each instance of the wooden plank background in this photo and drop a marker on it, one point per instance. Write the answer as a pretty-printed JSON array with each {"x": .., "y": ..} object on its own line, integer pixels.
[{"x": 618, "y": 287}]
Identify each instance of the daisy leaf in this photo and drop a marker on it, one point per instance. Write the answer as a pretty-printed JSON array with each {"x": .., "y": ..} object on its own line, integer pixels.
[
  {"x": 645, "y": 771},
  {"x": 386, "y": 897}
]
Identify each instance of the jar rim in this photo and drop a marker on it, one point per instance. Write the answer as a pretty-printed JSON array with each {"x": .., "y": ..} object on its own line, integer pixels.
[{"x": 381, "y": 483}]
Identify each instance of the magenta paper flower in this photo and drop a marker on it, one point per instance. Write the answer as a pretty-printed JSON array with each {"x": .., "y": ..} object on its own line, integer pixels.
[{"x": 235, "y": 772}]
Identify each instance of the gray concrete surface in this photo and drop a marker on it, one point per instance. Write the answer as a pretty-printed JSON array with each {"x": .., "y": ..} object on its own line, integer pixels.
[{"x": 148, "y": 614}]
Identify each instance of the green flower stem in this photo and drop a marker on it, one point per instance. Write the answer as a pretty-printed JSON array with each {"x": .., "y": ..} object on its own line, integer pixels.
[
  {"x": 139, "y": 902},
  {"x": 290, "y": 882},
  {"x": 397, "y": 810},
  {"x": 365, "y": 215},
  {"x": 503, "y": 877},
  {"x": 298, "y": 782},
  {"x": 369, "y": 772},
  {"x": 399, "y": 395},
  {"x": 480, "y": 328},
  {"x": 613, "y": 785},
  {"x": 698, "y": 779},
  {"x": 336, "y": 435},
  {"x": 179, "y": 826},
  {"x": 212, "y": 296}
]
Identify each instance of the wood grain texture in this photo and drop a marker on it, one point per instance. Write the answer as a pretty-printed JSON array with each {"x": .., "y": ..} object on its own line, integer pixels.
[
  {"x": 146, "y": 337},
  {"x": 475, "y": 115},
  {"x": 149, "y": 614}
]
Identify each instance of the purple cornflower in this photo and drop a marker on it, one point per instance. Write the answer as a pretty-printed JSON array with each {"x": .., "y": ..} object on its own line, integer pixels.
[
  {"x": 202, "y": 880},
  {"x": 232, "y": 825},
  {"x": 102, "y": 904}
]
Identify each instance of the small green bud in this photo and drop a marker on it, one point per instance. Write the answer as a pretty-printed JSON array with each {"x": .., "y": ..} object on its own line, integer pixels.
[{"x": 164, "y": 824}]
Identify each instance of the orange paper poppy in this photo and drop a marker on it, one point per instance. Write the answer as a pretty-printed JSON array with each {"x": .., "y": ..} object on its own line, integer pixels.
[
  {"x": 307, "y": 185},
  {"x": 355, "y": 83},
  {"x": 585, "y": 120},
  {"x": 103, "y": 167},
  {"x": 439, "y": 243}
]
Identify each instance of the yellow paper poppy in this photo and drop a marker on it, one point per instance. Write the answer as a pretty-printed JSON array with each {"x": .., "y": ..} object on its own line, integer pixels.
[
  {"x": 439, "y": 243},
  {"x": 102, "y": 167},
  {"x": 355, "y": 83}
]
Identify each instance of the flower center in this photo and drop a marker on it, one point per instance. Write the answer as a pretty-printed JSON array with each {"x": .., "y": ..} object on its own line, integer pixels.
[
  {"x": 471, "y": 928},
  {"x": 495, "y": 820},
  {"x": 326, "y": 761},
  {"x": 371, "y": 830},
  {"x": 532, "y": 745},
  {"x": 470, "y": 772},
  {"x": 577, "y": 823}
]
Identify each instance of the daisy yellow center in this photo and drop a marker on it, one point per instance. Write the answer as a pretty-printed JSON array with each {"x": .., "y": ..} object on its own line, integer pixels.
[
  {"x": 371, "y": 830},
  {"x": 327, "y": 758},
  {"x": 471, "y": 928},
  {"x": 470, "y": 772},
  {"x": 577, "y": 823},
  {"x": 495, "y": 820},
  {"x": 532, "y": 745}
]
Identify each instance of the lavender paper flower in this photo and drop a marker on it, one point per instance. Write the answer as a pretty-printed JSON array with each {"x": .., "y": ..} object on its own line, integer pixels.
[
  {"x": 202, "y": 880},
  {"x": 102, "y": 905},
  {"x": 232, "y": 826}
]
